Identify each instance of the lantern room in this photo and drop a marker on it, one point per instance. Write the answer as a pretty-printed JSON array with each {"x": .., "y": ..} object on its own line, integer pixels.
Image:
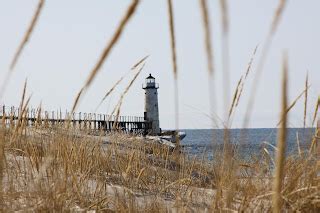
[{"x": 150, "y": 83}]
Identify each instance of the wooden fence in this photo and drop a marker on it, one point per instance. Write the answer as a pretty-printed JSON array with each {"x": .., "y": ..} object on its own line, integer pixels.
[{"x": 83, "y": 121}]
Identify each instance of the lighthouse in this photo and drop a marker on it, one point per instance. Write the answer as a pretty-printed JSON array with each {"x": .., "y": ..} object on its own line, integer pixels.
[{"x": 151, "y": 109}]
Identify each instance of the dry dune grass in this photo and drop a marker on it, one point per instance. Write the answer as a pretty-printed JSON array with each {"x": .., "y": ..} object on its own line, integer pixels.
[
  {"x": 54, "y": 169},
  {"x": 281, "y": 145},
  {"x": 27, "y": 34},
  {"x": 124, "y": 21},
  {"x": 62, "y": 169}
]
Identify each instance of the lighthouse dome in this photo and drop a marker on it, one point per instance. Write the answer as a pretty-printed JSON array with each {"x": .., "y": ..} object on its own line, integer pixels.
[{"x": 150, "y": 76}]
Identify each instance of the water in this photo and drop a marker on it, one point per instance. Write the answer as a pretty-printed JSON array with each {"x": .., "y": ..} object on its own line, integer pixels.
[{"x": 248, "y": 142}]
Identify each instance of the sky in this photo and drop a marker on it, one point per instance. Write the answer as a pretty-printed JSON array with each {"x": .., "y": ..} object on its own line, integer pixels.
[{"x": 70, "y": 36}]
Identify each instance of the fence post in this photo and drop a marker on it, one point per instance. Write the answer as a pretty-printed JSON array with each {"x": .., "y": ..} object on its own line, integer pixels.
[
  {"x": 80, "y": 120},
  {"x": 95, "y": 121},
  {"x": 3, "y": 115}
]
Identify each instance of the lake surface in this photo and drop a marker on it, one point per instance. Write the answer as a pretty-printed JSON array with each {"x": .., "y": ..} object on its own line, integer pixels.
[{"x": 246, "y": 141}]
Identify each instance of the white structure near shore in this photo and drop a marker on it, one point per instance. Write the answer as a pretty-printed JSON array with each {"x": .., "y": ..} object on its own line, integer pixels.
[{"x": 151, "y": 109}]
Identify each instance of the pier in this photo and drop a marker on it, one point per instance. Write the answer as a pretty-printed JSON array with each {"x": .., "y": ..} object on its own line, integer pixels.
[{"x": 91, "y": 122}]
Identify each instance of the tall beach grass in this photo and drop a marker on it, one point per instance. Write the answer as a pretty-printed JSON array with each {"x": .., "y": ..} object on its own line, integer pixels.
[{"x": 57, "y": 168}]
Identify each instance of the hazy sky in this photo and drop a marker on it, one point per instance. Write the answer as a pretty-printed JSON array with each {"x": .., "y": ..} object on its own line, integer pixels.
[{"x": 71, "y": 35}]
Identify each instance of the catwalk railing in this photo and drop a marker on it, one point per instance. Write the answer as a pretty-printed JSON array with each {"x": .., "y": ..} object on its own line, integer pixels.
[{"x": 83, "y": 121}]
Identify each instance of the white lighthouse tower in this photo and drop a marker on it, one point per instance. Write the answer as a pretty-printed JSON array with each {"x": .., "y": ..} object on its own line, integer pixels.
[{"x": 151, "y": 110}]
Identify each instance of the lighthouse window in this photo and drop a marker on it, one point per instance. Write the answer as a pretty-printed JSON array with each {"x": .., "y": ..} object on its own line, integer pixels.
[{"x": 150, "y": 80}]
